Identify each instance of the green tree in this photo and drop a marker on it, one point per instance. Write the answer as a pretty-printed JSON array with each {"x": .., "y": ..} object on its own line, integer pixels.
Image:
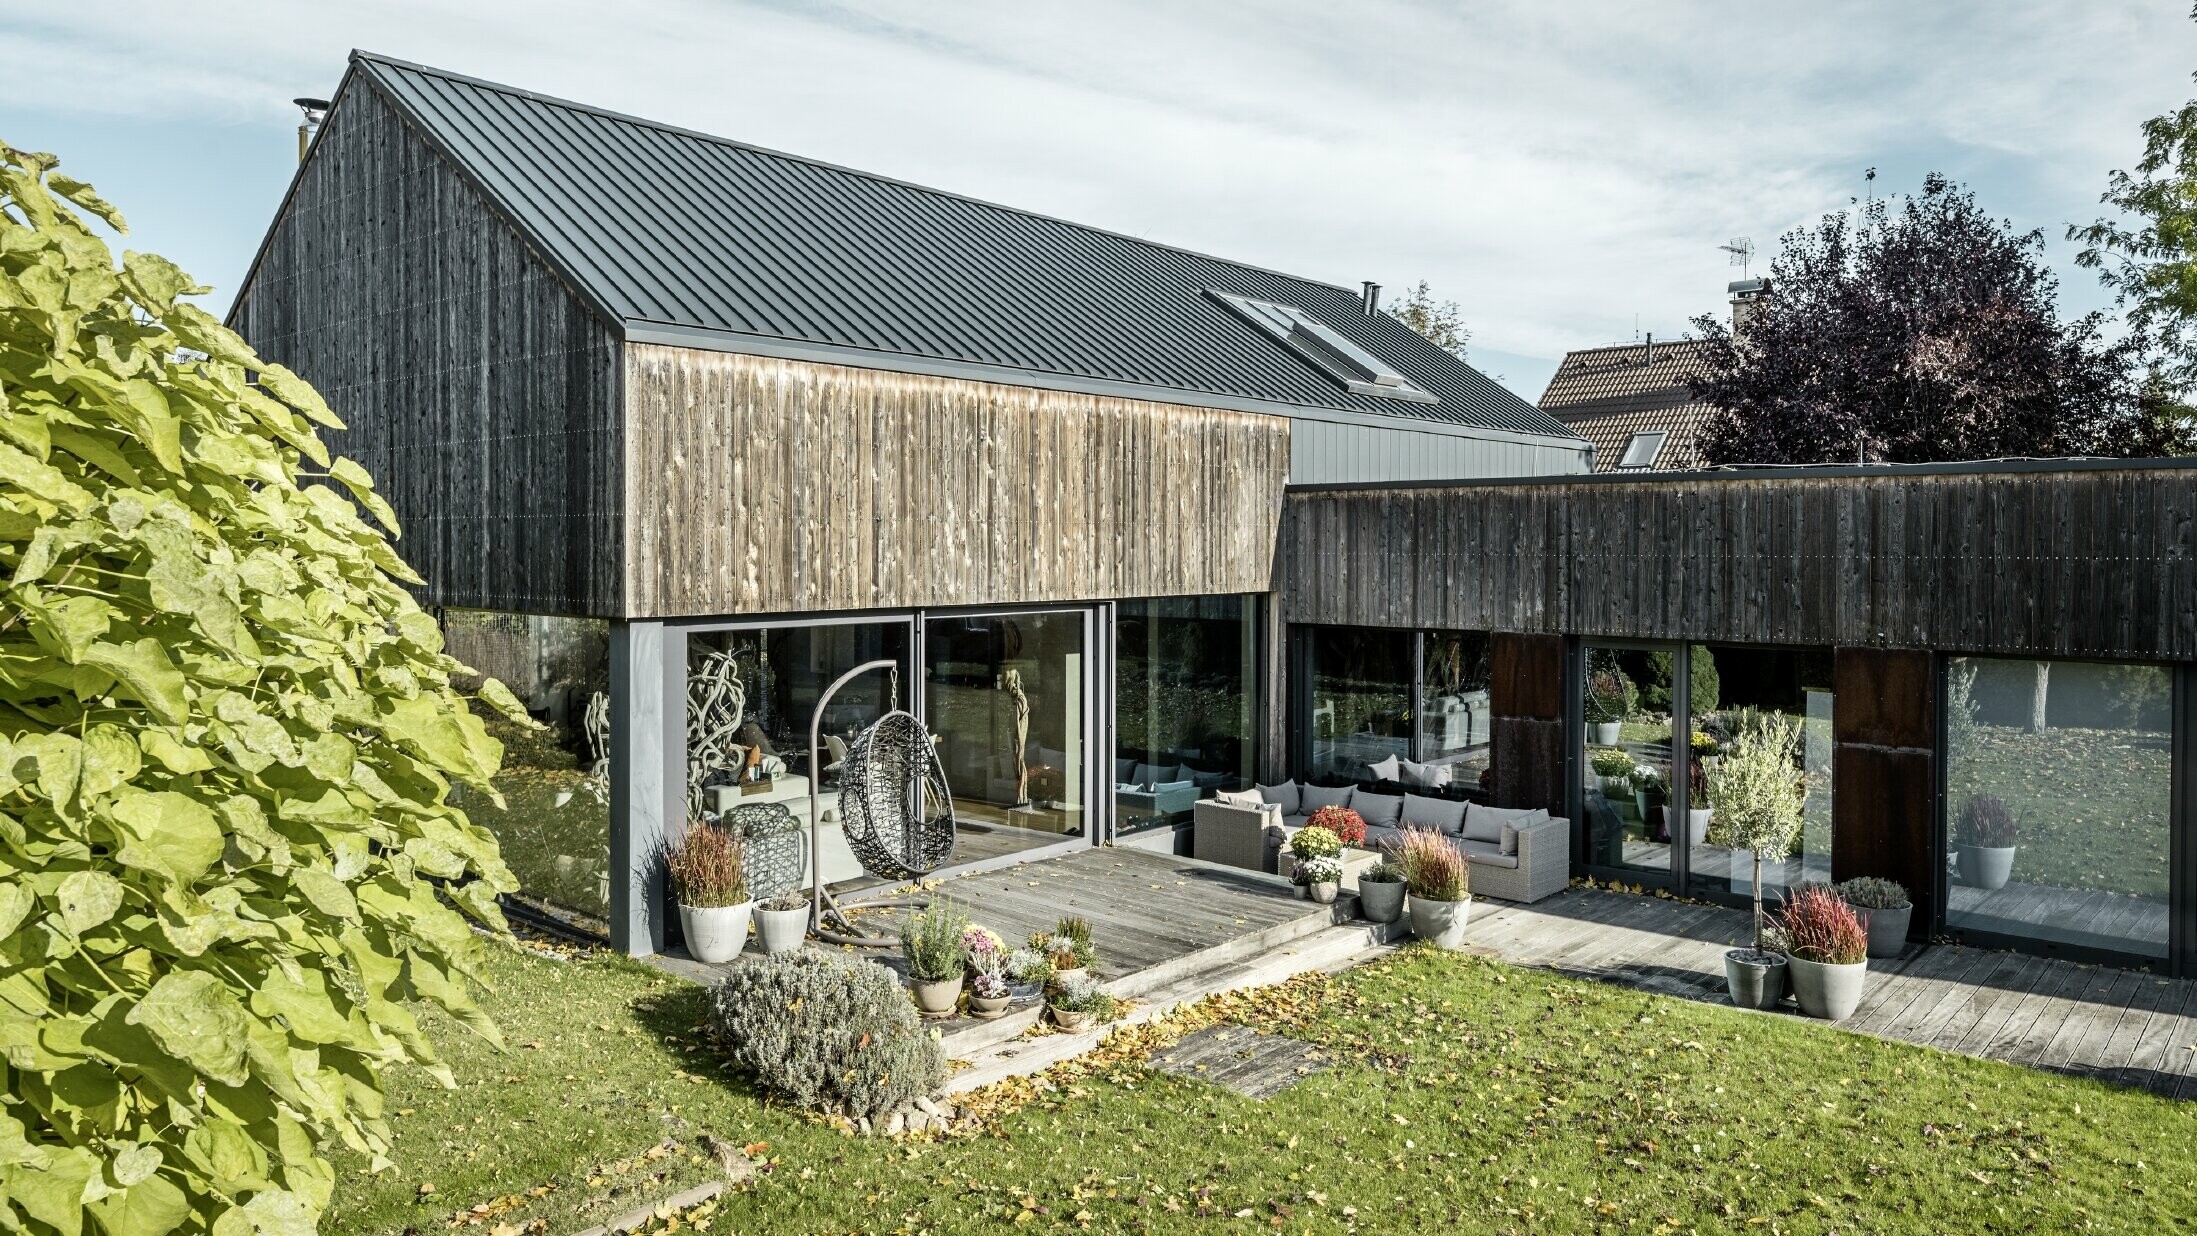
[
  {"x": 228, "y": 859},
  {"x": 1441, "y": 322}
]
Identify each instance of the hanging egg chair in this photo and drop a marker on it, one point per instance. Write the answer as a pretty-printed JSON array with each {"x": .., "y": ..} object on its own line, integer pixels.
[{"x": 894, "y": 806}]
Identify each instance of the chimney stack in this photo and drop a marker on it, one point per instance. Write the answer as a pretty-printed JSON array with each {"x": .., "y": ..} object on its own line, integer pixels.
[
  {"x": 1647, "y": 354},
  {"x": 1747, "y": 297},
  {"x": 1372, "y": 293},
  {"x": 315, "y": 111}
]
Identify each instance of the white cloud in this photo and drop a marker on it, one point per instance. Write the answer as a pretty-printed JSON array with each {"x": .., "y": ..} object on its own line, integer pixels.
[{"x": 1555, "y": 168}]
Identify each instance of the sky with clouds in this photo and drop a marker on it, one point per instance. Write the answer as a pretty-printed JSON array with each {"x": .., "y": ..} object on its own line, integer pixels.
[{"x": 1565, "y": 171}]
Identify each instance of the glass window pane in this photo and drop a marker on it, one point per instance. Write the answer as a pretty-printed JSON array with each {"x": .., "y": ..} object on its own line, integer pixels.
[
  {"x": 1626, "y": 704},
  {"x": 1005, "y": 699},
  {"x": 1455, "y": 724},
  {"x": 554, "y": 826},
  {"x": 2059, "y": 776},
  {"x": 1360, "y": 700},
  {"x": 1186, "y": 704},
  {"x": 1728, "y": 689}
]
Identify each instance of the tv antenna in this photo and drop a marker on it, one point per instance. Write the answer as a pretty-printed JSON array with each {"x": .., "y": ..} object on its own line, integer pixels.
[{"x": 1742, "y": 251}]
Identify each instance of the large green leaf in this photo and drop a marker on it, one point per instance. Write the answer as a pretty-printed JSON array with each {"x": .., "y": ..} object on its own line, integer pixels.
[
  {"x": 195, "y": 1018},
  {"x": 166, "y": 832}
]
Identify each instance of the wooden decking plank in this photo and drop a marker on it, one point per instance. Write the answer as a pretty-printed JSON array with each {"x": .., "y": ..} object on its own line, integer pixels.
[
  {"x": 2005, "y": 995},
  {"x": 1937, "y": 983},
  {"x": 2041, "y": 1015},
  {"x": 2085, "y": 1033}
]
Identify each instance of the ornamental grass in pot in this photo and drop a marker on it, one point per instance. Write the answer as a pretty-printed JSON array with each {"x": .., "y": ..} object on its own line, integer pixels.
[
  {"x": 1758, "y": 793},
  {"x": 1381, "y": 892},
  {"x": 1318, "y": 869},
  {"x": 782, "y": 923},
  {"x": 1885, "y": 909},
  {"x": 1830, "y": 952},
  {"x": 930, "y": 942},
  {"x": 1440, "y": 883},
  {"x": 1984, "y": 840},
  {"x": 705, "y": 866}
]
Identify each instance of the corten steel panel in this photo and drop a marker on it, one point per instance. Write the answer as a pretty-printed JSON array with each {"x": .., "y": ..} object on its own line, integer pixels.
[
  {"x": 1528, "y": 758},
  {"x": 1884, "y": 819},
  {"x": 1528, "y": 676},
  {"x": 1885, "y": 698}
]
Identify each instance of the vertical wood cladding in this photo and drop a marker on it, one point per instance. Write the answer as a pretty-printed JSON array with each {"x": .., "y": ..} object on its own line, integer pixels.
[
  {"x": 2068, "y": 562},
  {"x": 477, "y": 389},
  {"x": 1884, "y": 793},
  {"x": 759, "y": 485}
]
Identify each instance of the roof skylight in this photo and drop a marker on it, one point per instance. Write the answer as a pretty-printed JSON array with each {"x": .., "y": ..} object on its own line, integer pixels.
[
  {"x": 1357, "y": 369},
  {"x": 1641, "y": 450}
]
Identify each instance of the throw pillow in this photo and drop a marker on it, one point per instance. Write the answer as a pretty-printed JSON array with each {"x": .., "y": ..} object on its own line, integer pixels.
[
  {"x": 1125, "y": 770},
  {"x": 1431, "y": 776},
  {"x": 1486, "y": 823},
  {"x": 1389, "y": 769},
  {"x": 1283, "y": 796},
  {"x": 1208, "y": 781},
  {"x": 1239, "y": 798},
  {"x": 1315, "y": 797},
  {"x": 1378, "y": 810},
  {"x": 1146, "y": 774},
  {"x": 1165, "y": 787},
  {"x": 1437, "y": 813}
]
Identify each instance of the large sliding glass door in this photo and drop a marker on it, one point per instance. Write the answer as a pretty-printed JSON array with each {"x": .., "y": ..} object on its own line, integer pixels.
[
  {"x": 1628, "y": 803},
  {"x": 1731, "y": 689},
  {"x": 1186, "y": 705},
  {"x": 1008, "y": 699}
]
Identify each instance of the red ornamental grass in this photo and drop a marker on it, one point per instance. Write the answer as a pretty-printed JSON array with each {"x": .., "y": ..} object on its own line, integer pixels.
[
  {"x": 1821, "y": 927},
  {"x": 1341, "y": 821}
]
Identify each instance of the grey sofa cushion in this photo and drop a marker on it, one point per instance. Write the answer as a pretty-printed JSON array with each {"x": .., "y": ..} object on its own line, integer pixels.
[
  {"x": 1209, "y": 780},
  {"x": 1295, "y": 822},
  {"x": 1315, "y": 797},
  {"x": 1239, "y": 798},
  {"x": 1286, "y": 795},
  {"x": 1382, "y": 837},
  {"x": 1438, "y": 813},
  {"x": 1487, "y": 852},
  {"x": 1125, "y": 770},
  {"x": 1146, "y": 774},
  {"x": 1382, "y": 810},
  {"x": 1389, "y": 769},
  {"x": 1430, "y": 776},
  {"x": 1486, "y": 823}
]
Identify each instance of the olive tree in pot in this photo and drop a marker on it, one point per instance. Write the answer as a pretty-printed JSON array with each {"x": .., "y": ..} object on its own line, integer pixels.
[
  {"x": 1885, "y": 911},
  {"x": 1984, "y": 842},
  {"x": 930, "y": 942},
  {"x": 1381, "y": 892},
  {"x": 1758, "y": 795},
  {"x": 706, "y": 875},
  {"x": 1830, "y": 951},
  {"x": 1440, "y": 884}
]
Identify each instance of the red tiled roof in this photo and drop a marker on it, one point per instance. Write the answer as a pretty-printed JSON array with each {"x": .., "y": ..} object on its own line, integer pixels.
[{"x": 1608, "y": 394}]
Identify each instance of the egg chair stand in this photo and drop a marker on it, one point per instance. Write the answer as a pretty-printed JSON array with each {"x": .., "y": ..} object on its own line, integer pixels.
[{"x": 890, "y": 780}]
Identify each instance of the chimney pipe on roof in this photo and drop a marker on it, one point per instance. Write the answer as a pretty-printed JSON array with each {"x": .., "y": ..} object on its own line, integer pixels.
[
  {"x": 1372, "y": 294},
  {"x": 1647, "y": 354},
  {"x": 316, "y": 110}
]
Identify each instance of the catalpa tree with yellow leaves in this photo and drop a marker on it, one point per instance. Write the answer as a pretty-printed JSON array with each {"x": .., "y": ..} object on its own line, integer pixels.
[{"x": 228, "y": 856}]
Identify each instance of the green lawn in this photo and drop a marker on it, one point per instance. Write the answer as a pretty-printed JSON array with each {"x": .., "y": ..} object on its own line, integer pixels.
[{"x": 1470, "y": 1096}]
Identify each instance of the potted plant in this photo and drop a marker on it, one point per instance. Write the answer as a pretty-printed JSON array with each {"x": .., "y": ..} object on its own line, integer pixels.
[
  {"x": 1705, "y": 748},
  {"x": 1074, "y": 1003},
  {"x": 1885, "y": 911},
  {"x": 782, "y": 922},
  {"x": 1700, "y": 804},
  {"x": 1611, "y": 697},
  {"x": 1381, "y": 892},
  {"x": 930, "y": 942},
  {"x": 1759, "y": 796},
  {"x": 1067, "y": 948},
  {"x": 1347, "y": 825},
  {"x": 1830, "y": 952},
  {"x": 706, "y": 876},
  {"x": 1318, "y": 870},
  {"x": 1984, "y": 842},
  {"x": 989, "y": 995},
  {"x": 1652, "y": 796},
  {"x": 1027, "y": 971},
  {"x": 1440, "y": 884},
  {"x": 1615, "y": 767}
]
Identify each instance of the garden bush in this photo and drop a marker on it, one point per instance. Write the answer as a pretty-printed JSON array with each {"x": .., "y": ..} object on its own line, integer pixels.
[
  {"x": 230, "y": 866},
  {"x": 825, "y": 1032}
]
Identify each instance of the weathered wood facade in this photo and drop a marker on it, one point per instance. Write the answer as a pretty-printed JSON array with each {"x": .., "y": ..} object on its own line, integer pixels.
[
  {"x": 480, "y": 391},
  {"x": 759, "y": 485},
  {"x": 2067, "y": 560}
]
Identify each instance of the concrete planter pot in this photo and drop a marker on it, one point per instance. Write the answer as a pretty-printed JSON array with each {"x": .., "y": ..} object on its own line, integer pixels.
[
  {"x": 1440, "y": 923},
  {"x": 715, "y": 933},
  {"x": 1697, "y": 824},
  {"x": 1828, "y": 991},
  {"x": 1985, "y": 866},
  {"x": 936, "y": 997},
  {"x": 1604, "y": 733},
  {"x": 991, "y": 1009},
  {"x": 1888, "y": 930},
  {"x": 1380, "y": 901},
  {"x": 781, "y": 931},
  {"x": 1070, "y": 1022},
  {"x": 1323, "y": 892},
  {"x": 1754, "y": 980}
]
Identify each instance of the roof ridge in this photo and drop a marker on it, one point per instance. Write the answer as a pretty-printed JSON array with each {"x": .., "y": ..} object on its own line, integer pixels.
[{"x": 362, "y": 55}]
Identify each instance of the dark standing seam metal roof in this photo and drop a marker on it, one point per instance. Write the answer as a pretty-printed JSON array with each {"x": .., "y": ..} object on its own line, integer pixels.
[{"x": 666, "y": 228}]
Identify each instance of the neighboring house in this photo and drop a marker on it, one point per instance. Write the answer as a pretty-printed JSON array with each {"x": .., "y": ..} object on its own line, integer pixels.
[
  {"x": 1632, "y": 401},
  {"x": 662, "y": 414}
]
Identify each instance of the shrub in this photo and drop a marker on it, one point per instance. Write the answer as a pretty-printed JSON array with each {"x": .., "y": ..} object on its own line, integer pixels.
[
  {"x": 1433, "y": 869},
  {"x": 791, "y": 899},
  {"x": 1313, "y": 841},
  {"x": 827, "y": 1032},
  {"x": 1074, "y": 933},
  {"x": 705, "y": 865},
  {"x": 231, "y": 868},
  {"x": 1872, "y": 893},
  {"x": 1080, "y": 993},
  {"x": 1820, "y": 926},
  {"x": 1029, "y": 965},
  {"x": 1387, "y": 871},
  {"x": 1347, "y": 825},
  {"x": 1613, "y": 762},
  {"x": 1986, "y": 821},
  {"x": 931, "y": 942}
]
